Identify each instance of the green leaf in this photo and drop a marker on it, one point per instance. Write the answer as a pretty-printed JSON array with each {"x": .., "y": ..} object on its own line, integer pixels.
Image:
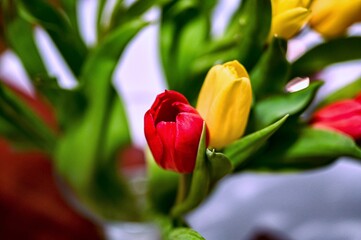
[
  {"x": 273, "y": 108},
  {"x": 188, "y": 52},
  {"x": 219, "y": 165},
  {"x": 242, "y": 149},
  {"x": 18, "y": 138},
  {"x": 182, "y": 23},
  {"x": 330, "y": 52},
  {"x": 346, "y": 92},
  {"x": 139, "y": 7},
  {"x": 123, "y": 14},
  {"x": 24, "y": 46},
  {"x": 24, "y": 124},
  {"x": 118, "y": 135},
  {"x": 270, "y": 74},
  {"x": 85, "y": 152},
  {"x": 255, "y": 21},
  {"x": 200, "y": 181},
  {"x": 69, "y": 43},
  {"x": 71, "y": 11},
  {"x": 96, "y": 80},
  {"x": 185, "y": 234},
  {"x": 234, "y": 26},
  {"x": 26, "y": 49},
  {"x": 312, "y": 148},
  {"x": 215, "y": 51},
  {"x": 100, "y": 11}
]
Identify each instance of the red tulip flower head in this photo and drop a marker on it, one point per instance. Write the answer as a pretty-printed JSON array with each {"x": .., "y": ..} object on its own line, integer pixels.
[
  {"x": 342, "y": 116},
  {"x": 173, "y": 129}
]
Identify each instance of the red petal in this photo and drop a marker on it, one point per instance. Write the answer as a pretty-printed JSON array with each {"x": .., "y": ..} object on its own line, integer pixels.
[
  {"x": 350, "y": 126},
  {"x": 167, "y": 133},
  {"x": 163, "y": 109},
  {"x": 168, "y": 94},
  {"x": 338, "y": 111},
  {"x": 154, "y": 141},
  {"x": 183, "y": 107},
  {"x": 189, "y": 130}
]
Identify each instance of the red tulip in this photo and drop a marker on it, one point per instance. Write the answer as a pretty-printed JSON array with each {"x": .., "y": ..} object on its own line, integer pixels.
[
  {"x": 342, "y": 116},
  {"x": 173, "y": 129}
]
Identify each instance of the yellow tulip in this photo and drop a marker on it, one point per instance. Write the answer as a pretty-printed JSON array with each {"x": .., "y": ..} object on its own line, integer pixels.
[
  {"x": 224, "y": 102},
  {"x": 288, "y": 17},
  {"x": 331, "y": 18}
]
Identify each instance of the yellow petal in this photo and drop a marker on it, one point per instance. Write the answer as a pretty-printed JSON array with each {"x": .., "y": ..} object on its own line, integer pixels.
[
  {"x": 286, "y": 5},
  {"x": 224, "y": 102},
  {"x": 332, "y": 18},
  {"x": 289, "y": 23},
  {"x": 218, "y": 78},
  {"x": 229, "y": 117}
]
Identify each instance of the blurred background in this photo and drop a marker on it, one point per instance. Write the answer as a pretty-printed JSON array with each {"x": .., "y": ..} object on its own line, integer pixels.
[{"x": 318, "y": 204}]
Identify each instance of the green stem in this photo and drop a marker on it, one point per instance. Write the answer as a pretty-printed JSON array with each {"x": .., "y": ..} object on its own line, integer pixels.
[{"x": 182, "y": 188}]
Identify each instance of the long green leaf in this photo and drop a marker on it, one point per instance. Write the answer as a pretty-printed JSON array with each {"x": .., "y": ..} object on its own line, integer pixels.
[
  {"x": 24, "y": 46},
  {"x": 311, "y": 149},
  {"x": 23, "y": 122},
  {"x": 327, "y": 53},
  {"x": 96, "y": 83},
  {"x": 182, "y": 23},
  {"x": 241, "y": 150},
  {"x": 270, "y": 74},
  {"x": 71, "y": 10},
  {"x": 255, "y": 23},
  {"x": 273, "y": 108},
  {"x": 346, "y": 92},
  {"x": 184, "y": 234},
  {"x": 66, "y": 39},
  {"x": 83, "y": 152}
]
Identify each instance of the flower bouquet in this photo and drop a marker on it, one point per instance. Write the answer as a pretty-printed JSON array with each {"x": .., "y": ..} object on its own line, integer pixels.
[{"x": 235, "y": 101}]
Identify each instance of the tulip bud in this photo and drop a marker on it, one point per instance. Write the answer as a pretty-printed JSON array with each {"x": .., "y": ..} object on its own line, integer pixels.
[
  {"x": 173, "y": 130},
  {"x": 342, "y": 116},
  {"x": 288, "y": 17},
  {"x": 331, "y": 18},
  {"x": 224, "y": 102}
]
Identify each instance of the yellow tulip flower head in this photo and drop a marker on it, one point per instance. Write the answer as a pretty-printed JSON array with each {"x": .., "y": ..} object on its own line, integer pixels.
[
  {"x": 224, "y": 102},
  {"x": 331, "y": 18},
  {"x": 288, "y": 17}
]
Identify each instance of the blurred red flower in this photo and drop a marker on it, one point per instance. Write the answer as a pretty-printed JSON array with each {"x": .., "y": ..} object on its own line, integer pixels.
[{"x": 342, "y": 116}]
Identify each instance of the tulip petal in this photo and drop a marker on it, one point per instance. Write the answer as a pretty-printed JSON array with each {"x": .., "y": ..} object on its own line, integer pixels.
[
  {"x": 217, "y": 79},
  {"x": 168, "y": 94},
  {"x": 163, "y": 109},
  {"x": 182, "y": 107},
  {"x": 286, "y": 5},
  {"x": 350, "y": 126},
  {"x": 236, "y": 101},
  {"x": 337, "y": 111},
  {"x": 287, "y": 24},
  {"x": 167, "y": 133},
  {"x": 189, "y": 129},
  {"x": 331, "y": 18},
  {"x": 224, "y": 102},
  {"x": 154, "y": 141}
]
